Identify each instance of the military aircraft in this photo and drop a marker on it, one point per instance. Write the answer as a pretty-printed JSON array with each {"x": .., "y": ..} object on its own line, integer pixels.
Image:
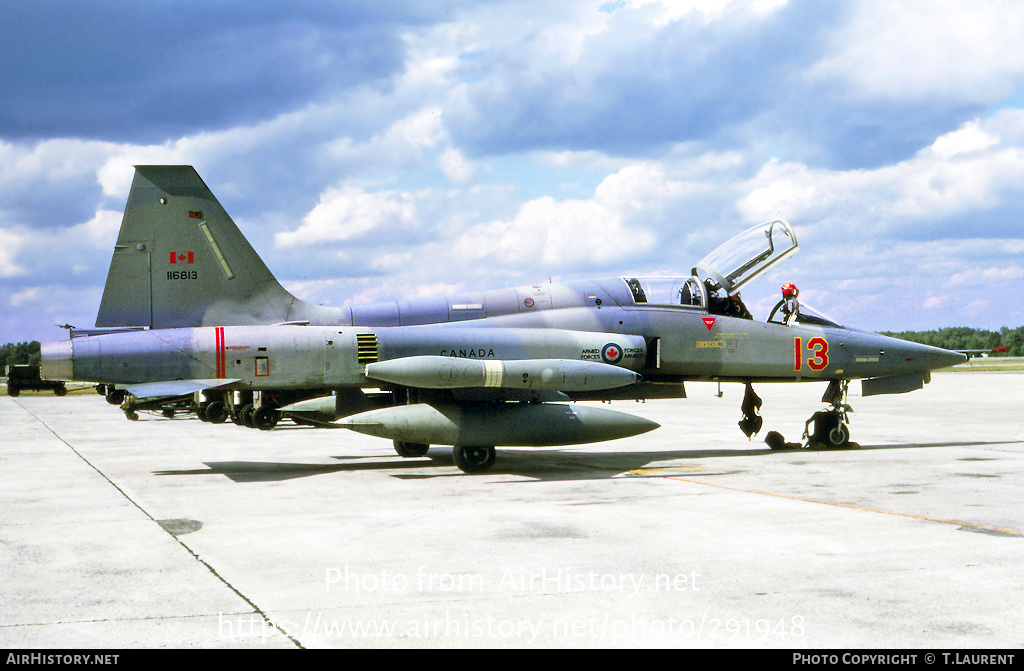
[{"x": 189, "y": 307}]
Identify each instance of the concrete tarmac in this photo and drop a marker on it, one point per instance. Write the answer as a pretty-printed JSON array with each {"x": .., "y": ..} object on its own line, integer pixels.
[{"x": 176, "y": 533}]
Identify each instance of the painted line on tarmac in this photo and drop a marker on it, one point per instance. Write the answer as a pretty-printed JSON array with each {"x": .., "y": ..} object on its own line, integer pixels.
[{"x": 651, "y": 472}]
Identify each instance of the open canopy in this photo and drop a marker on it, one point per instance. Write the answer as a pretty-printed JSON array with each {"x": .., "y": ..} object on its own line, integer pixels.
[{"x": 748, "y": 255}]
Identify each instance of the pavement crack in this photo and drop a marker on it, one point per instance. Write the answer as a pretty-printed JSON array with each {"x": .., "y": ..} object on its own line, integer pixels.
[{"x": 256, "y": 609}]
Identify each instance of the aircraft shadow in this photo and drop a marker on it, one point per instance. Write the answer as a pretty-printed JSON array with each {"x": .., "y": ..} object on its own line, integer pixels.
[
  {"x": 539, "y": 465},
  {"x": 271, "y": 471},
  {"x": 959, "y": 443},
  {"x": 553, "y": 464}
]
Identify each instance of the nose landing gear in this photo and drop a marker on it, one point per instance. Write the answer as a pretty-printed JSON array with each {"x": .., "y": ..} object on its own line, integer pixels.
[{"x": 831, "y": 428}]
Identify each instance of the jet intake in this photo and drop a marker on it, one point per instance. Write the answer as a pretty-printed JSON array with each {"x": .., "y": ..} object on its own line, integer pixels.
[{"x": 439, "y": 372}]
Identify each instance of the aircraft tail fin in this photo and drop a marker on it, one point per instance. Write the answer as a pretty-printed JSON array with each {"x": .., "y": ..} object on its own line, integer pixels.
[{"x": 180, "y": 261}]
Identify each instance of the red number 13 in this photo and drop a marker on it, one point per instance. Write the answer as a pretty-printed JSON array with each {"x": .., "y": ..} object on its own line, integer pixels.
[{"x": 817, "y": 360}]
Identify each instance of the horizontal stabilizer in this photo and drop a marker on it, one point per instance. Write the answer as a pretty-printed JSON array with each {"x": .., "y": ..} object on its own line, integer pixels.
[{"x": 172, "y": 387}]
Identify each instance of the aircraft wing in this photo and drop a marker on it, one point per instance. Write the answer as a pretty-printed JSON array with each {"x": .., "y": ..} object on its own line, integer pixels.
[
  {"x": 974, "y": 353},
  {"x": 173, "y": 387}
]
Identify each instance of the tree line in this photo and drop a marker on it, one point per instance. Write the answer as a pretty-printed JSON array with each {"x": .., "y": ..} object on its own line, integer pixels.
[
  {"x": 965, "y": 338},
  {"x": 15, "y": 353}
]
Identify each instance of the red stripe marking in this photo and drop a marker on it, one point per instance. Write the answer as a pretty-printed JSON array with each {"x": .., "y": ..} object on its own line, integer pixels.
[{"x": 220, "y": 352}]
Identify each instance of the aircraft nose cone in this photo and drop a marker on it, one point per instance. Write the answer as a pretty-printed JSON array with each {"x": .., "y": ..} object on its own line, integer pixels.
[{"x": 944, "y": 358}]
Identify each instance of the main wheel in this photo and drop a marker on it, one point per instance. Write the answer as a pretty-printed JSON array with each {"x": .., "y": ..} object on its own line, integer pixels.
[
  {"x": 216, "y": 412},
  {"x": 238, "y": 415},
  {"x": 408, "y": 450},
  {"x": 265, "y": 417},
  {"x": 473, "y": 458}
]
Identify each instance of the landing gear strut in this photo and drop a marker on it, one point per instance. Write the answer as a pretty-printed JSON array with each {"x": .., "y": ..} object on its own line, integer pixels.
[{"x": 831, "y": 426}]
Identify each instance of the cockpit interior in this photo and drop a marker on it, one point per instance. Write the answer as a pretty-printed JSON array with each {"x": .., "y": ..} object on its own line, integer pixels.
[{"x": 716, "y": 280}]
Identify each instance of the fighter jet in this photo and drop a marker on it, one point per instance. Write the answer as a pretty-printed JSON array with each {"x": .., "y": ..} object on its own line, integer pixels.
[{"x": 190, "y": 308}]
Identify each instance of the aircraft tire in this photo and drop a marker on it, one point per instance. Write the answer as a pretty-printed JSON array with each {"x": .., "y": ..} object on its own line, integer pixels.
[
  {"x": 216, "y": 413},
  {"x": 474, "y": 458},
  {"x": 60, "y": 390},
  {"x": 246, "y": 415},
  {"x": 265, "y": 418},
  {"x": 408, "y": 450},
  {"x": 236, "y": 416},
  {"x": 114, "y": 396},
  {"x": 839, "y": 435},
  {"x": 132, "y": 415}
]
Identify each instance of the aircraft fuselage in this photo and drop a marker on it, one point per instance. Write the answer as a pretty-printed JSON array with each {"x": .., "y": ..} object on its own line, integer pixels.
[{"x": 586, "y": 321}]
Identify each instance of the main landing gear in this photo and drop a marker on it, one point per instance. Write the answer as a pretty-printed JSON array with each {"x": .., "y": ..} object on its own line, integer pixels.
[
  {"x": 469, "y": 458},
  {"x": 473, "y": 459},
  {"x": 752, "y": 421},
  {"x": 409, "y": 450}
]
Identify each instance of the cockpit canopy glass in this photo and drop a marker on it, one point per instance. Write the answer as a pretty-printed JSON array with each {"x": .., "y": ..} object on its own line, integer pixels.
[
  {"x": 800, "y": 314},
  {"x": 675, "y": 291},
  {"x": 748, "y": 255}
]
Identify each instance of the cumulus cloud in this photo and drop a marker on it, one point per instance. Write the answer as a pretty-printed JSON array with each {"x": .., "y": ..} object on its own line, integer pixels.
[
  {"x": 153, "y": 74},
  {"x": 640, "y": 77},
  {"x": 100, "y": 230},
  {"x": 548, "y": 233},
  {"x": 969, "y": 169},
  {"x": 10, "y": 243},
  {"x": 348, "y": 213},
  {"x": 965, "y": 51}
]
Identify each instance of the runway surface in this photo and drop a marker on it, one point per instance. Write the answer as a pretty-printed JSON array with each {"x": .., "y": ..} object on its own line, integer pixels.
[{"x": 177, "y": 533}]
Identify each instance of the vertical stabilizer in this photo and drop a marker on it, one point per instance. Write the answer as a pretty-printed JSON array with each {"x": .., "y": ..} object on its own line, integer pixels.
[{"x": 180, "y": 261}]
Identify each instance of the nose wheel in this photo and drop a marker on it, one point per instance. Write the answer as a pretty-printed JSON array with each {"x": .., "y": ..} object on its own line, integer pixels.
[{"x": 831, "y": 426}]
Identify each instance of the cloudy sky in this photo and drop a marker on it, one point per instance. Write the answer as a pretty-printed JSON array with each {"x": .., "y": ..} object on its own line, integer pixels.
[{"x": 372, "y": 150}]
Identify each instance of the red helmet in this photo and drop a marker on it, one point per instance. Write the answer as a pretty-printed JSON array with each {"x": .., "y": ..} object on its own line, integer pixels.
[{"x": 789, "y": 290}]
